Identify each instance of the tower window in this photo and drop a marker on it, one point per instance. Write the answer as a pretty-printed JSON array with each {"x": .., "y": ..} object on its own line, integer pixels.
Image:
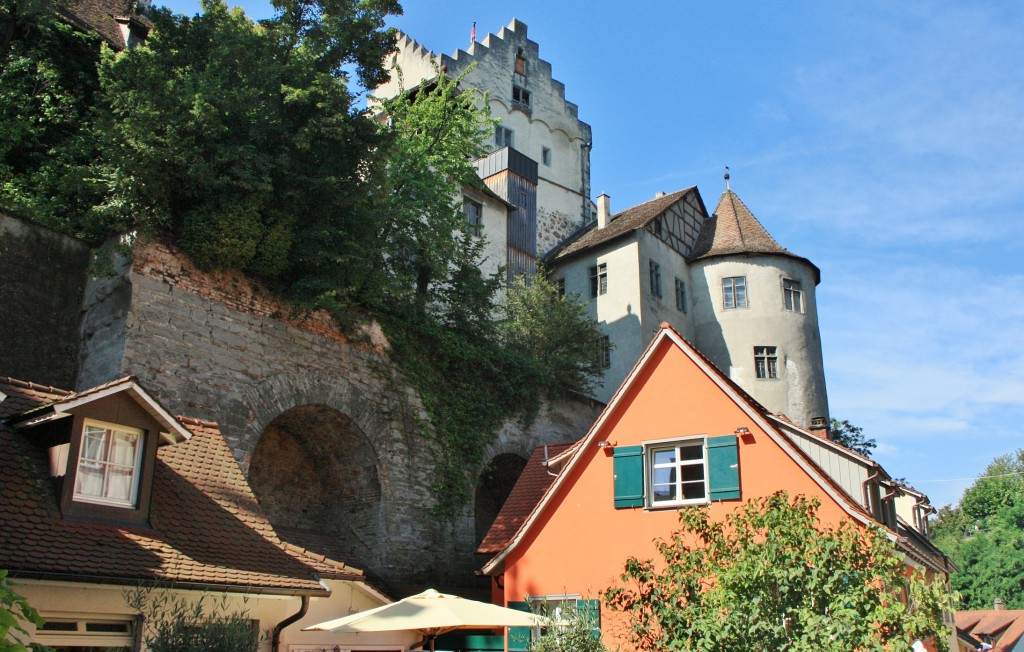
[
  {"x": 504, "y": 137},
  {"x": 560, "y": 286},
  {"x": 793, "y": 295},
  {"x": 520, "y": 62},
  {"x": 599, "y": 280},
  {"x": 545, "y": 155},
  {"x": 734, "y": 292},
  {"x": 604, "y": 351},
  {"x": 520, "y": 97},
  {"x": 766, "y": 362}
]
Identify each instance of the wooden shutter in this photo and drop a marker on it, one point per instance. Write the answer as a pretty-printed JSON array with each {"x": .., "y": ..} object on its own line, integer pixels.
[
  {"x": 519, "y": 638},
  {"x": 628, "y": 466},
  {"x": 591, "y": 610},
  {"x": 724, "y": 467}
]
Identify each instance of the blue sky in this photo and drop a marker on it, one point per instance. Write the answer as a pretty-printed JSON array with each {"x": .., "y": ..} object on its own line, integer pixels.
[{"x": 882, "y": 140}]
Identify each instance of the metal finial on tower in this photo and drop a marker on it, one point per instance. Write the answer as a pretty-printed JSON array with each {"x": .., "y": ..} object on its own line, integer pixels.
[{"x": 727, "y": 188}]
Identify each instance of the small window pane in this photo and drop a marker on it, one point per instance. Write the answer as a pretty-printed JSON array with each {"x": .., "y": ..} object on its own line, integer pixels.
[
  {"x": 665, "y": 456},
  {"x": 693, "y": 473},
  {"x": 693, "y": 491}
]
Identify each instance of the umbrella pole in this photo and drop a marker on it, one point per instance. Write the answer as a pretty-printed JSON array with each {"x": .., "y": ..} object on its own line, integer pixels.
[{"x": 432, "y": 639}]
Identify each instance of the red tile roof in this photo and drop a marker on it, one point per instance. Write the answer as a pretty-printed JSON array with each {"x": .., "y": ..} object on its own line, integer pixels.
[
  {"x": 206, "y": 526},
  {"x": 1000, "y": 627},
  {"x": 531, "y": 486},
  {"x": 619, "y": 224}
]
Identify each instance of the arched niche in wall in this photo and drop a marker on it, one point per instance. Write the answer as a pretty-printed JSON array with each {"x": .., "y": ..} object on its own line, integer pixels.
[
  {"x": 495, "y": 484},
  {"x": 316, "y": 475}
]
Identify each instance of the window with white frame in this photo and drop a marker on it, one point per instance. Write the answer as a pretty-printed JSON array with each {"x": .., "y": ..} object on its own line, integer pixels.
[
  {"x": 109, "y": 463},
  {"x": 734, "y": 292},
  {"x": 793, "y": 295},
  {"x": 677, "y": 473},
  {"x": 474, "y": 216},
  {"x": 504, "y": 137},
  {"x": 680, "y": 295},
  {"x": 766, "y": 362},
  {"x": 655, "y": 271},
  {"x": 599, "y": 280},
  {"x": 70, "y": 633}
]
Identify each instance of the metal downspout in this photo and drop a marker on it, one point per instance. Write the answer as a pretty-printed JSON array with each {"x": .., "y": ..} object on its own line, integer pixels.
[{"x": 275, "y": 644}]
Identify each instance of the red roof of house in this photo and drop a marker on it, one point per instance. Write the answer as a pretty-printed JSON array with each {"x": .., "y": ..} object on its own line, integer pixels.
[
  {"x": 206, "y": 528},
  {"x": 1002, "y": 628},
  {"x": 531, "y": 486}
]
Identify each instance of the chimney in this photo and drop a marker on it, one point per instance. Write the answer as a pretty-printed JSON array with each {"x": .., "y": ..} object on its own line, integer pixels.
[
  {"x": 999, "y": 604},
  {"x": 819, "y": 426},
  {"x": 659, "y": 194},
  {"x": 604, "y": 210}
]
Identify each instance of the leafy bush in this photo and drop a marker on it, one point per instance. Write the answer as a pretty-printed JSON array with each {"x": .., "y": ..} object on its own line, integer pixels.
[
  {"x": 15, "y": 614},
  {"x": 177, "y": 623}
]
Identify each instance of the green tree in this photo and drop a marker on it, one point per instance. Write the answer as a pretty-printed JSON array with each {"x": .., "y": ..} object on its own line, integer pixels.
[
  {"x": 984, "y": 536},
  {"x": 845, "y": 433},
  {"x": 554, "y": 331},
  {"x": 241, "y": 140},
  {"x": 48, "y": 82},
  {"x": 15, "y": 615},
  {"x": 772, "y": 577}
]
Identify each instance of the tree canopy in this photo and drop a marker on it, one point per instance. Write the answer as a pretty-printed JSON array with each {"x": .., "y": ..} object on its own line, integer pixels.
[
  {"x": 853, "y": 437},
  {"x": 984, "y": 536},
  {"x": 771, "y": 576}
]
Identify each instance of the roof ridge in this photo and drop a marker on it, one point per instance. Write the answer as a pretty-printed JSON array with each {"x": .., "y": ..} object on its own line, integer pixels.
[
  {"x": 34, "y": 386},
  {"x": 193, "y": 421}
]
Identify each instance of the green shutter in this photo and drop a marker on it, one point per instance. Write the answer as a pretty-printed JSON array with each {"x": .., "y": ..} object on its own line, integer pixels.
[
  {"x": 591, "y": 610},
  {"x": 724, "y": 467},
  {"x": 628, "y": 466},
  {"x": 519, "y": 638}
]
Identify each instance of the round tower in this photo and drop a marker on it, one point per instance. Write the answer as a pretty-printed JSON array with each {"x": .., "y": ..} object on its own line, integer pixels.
[{"x": 757, "y": 316}]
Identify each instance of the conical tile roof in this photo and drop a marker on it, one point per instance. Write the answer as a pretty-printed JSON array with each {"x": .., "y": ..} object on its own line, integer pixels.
[{"x": 733, "y": 229}]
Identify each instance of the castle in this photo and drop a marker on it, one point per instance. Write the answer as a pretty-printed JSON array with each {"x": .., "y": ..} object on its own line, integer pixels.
[{"x": 720, "y": 280}]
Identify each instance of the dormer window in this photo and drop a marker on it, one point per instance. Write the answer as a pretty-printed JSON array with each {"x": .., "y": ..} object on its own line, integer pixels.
[{"x": 109, "y": 464}]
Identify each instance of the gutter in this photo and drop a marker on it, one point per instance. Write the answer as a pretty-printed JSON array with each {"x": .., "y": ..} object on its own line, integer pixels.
[
  {"x": 168, "y": 584},
  {"x": 275, "y": 642}
]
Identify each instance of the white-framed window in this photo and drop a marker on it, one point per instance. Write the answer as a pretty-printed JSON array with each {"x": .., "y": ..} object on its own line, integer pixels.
[
  {"x": 734, "y": 292},
  {"x": 474, "y": 216},
  {"x": 680, "y": 295},
  {"x": 520, "y": 97},
  {"x": 65, "y": 631},
  {"x": 545, "y": 155},
  {"x": 599, "y": 280},
  {"x": 109, "y": 464},
  {"x": 504, "y": 137},
  {"x": 793, "y": 295},
  {"x": 766, "y": 362},
  {"x": 655, "y": 270},
  {"x": 677, "y": 472}
]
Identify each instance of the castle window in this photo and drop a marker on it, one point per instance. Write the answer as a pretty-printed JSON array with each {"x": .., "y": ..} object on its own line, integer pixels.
[
  {"x": 766, "y": 362},
  {"x": 545, "y": 155},
  {"x": 599, "y": 280},
  {"x": 520, "y": 97},
  {"x": 560, "y": 286},
  {"x": 108, "y": 465},
  {"x": 657, "y": 226},
  {"x": 474, "y": 216},
  {"x": 793, "y": 294},
  {"x": 504, "y": 137},
  {"x": 655, "y": 271},
  {"x": 520, "y": 63},
  {"x": 680, "y": 296},
  {"x": 734, "y": 292},
  {"x": 604, "y": 351}
]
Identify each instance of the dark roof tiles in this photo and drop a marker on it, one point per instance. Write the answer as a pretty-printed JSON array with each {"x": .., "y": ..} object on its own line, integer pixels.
[{"x": 205, "y": 526}]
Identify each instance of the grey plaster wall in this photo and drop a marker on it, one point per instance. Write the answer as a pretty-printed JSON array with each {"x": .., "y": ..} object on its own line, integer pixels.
[{"x": 42, "y": 277}]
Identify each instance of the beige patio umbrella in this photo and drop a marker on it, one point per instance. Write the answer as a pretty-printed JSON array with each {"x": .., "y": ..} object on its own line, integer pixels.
[{"x": 431, "y": 614}]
